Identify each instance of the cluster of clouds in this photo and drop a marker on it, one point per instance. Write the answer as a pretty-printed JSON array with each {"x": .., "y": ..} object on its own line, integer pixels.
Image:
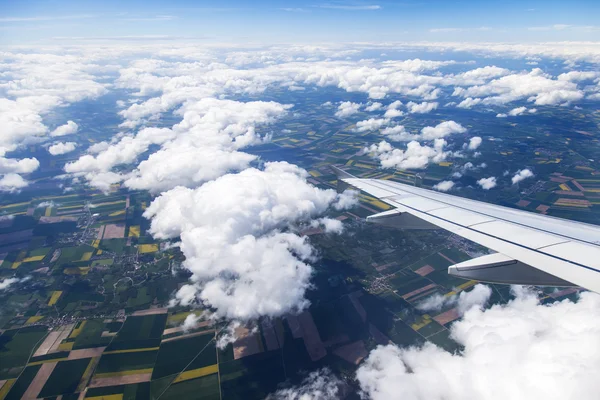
[
  {"x": 415, "y": 156},
  {"x": 238, "y": 233},
  {"x": 204, "y": 145},
  {"x": 522, "y": 349},
  {"x": 32, "y": 86}
]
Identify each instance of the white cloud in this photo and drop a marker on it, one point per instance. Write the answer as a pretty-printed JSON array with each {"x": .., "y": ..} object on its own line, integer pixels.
[
  {"x": 318, "y": 385},
  {"x": 371, "y": 124},
  {"x": 469, "y": 102},
  {"x": 477, "y": 297},
  {"x": 421, "y": 108},
  {"x": 243, "y": 265},
  {"x": 346, "y": 109},
  {"x": 501, "y": 115},
  {"x": 543, "y": 351},
  {"x": 576, "y": 76},
  {"x": 399, "y": 133},
  {"x": 487, "y": 183},
  {"x": 415, "y": 156},
  {"x": 5, "y": 283},
  {"x": 442, "y": 130},
  {"x": 521, "y": 175},
  {"x": 12, "y": 183},
  {"x": 62, "y": 148},
  {"x": 67, "y": 129},
  {"x": 535, "y": 86},
  {"x": 373, "y": 106},
  {"x": 474, "y": 143},
  {"x": 444, "y": 186},
  {"x": 517, "y": 111},
  {"x": 203, "y": 146},
  {"x": 22, "y": 166}
]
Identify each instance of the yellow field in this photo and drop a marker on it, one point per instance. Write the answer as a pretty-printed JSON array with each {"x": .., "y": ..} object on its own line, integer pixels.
[
  {"x": 130, "y": 350},
  {"x": 466, "y": 285},
  {"x": 15, "y": 265},
  {"x": 54, "y": 298},
  {"x": 350, "y": 162},
  {"x": 34, "y": 258},
  {"x": 34, "y": 319},
  {"x": 124, "y": 373},
  {"x": 96, "y": 243},
  {"x": 70, "y": 207},
  {"x": 315, "y": 174},
  {"x": 6, "y": 387},
  {"x": 116, "y": 213},
  {"x": 48, "y": 212},
  {"x": 148, "y": 248},
  {"x": 361, "y": 165},
  {"x": 563, "y": 186},
  {"x": 197, "y": 373},
  {"x": 107, "y": 397},
  {"x": 180, "y": 317},
  {"x": 86, "y": 256},
  {"x": 47, "y": 361},
  {"x": 66, "y": 346},
  {"x": 110, "y": 203},
  {"x": 445, "y": 164},
  {"x": 134, "y": 231},
  {"x": 76, "y": 270},
  {"x": 76, "y": 331},
  {"x": 14, "y": 205}
]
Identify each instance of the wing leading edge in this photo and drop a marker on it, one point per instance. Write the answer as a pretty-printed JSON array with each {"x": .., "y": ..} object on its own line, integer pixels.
[{"x": 533, "y": 249}]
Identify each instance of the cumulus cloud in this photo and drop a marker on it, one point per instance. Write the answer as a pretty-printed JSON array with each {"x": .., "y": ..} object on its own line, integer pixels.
[
  {"x": 442, "y": 130},
  {"x": 477, "y": 297},
  {"x": 416, "y": 156},
  {"x": 474, "y": 143},
  {"x": 371, "y": 124},
  {"x": 444, "y": 186},
  {"x": 374, "y": 106},
  {"x": 62, "y": 148},
  {"x": 399, "y": 133},
  {"x": 469, "y": 102},
  {"x": 22, "y": 166},
  {"x": 545, "y": 351},
  {"x": 421, "y": 108},
  {"x": 535, "y": 86},
  {"x": 318, "y": 385},
  {"x": 487, "y": 183},
  {"x": 12, "y": 183},
  {"x": 346, "y": 109},
  {"x": 517, "y": 111},
  {"x": 203, "y": 146},
  {"x": 67, "y": 129},
  {"x": 521, "y": 175},
  {"x": 244, "y": 263}
]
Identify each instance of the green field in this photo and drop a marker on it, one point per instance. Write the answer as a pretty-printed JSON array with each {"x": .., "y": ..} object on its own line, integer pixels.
[
  {"x": 175, "y": 355},
  {"x": 65, "y": 378},
  {"x": 118, "y": 362},
  {"x": 21, "y": 385},
  {"x": 16, "y": 346}
]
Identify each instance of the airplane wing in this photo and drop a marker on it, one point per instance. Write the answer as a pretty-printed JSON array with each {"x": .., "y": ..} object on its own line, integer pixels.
[{"x": 532, "y": 249}]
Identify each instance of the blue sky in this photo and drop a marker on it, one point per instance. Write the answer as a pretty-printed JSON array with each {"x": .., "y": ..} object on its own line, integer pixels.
[{"x": 269, "y": 21}]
